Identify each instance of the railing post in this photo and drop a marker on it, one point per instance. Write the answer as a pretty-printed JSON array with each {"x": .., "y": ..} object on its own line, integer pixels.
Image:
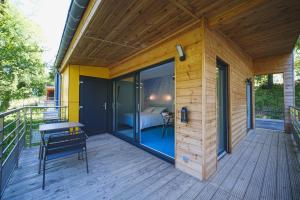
[
  {"x": 1, "y": 151},
  {"x": 18, "y": 136},
  {"x": 30, "y": 132},
  {"x": 25, "y": 122}
]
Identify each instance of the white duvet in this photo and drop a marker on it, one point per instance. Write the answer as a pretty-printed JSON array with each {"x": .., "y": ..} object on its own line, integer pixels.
[{"x": 147, "y": 120}]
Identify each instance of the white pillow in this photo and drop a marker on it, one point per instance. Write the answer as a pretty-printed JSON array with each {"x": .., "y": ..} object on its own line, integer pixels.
[
  {"x": 149, "y": 110},
  {"x": 158, "y": 110}
]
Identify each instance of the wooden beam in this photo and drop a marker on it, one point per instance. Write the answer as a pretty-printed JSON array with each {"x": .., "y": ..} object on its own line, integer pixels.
[
  {"x": 85, "y": 21},
  {"x": 184, "y": 9},
  {"x": 234, "y": 13},
  {"x": 111, "y": 42},
  {"x": 183, "y": 29}
]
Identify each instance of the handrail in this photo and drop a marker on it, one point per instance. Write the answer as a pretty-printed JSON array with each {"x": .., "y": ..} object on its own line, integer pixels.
[{"x": 17, "y": 129}]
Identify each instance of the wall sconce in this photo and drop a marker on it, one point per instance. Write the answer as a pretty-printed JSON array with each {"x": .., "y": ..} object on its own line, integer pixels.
[
  {"x": 152, "y": 97},
  {"x": 248, "y": 80},
  {"x": 180, "y": 52},
  {"x": 168, "y": 97}
]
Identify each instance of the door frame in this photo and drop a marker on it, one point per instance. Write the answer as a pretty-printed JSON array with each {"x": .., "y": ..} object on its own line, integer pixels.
[
  {"x": 107, "y": 101},
  {"x": 249, "y": 83},
  {"x": 225, "y": 65},
  {"x": 136, "y": 140}
]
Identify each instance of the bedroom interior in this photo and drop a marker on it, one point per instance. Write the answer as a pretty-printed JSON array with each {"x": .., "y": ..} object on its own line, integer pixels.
[
  {"x": 144, "y": 108},
  {"x": 157, "y": 106}
]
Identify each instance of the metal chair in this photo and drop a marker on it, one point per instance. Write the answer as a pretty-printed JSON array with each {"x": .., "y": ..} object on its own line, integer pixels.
[{"x": 63, "y": 145}]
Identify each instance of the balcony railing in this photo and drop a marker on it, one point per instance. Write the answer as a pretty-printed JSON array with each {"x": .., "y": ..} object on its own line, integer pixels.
[
  {"x": 295, "y": 119},
  {"x": 18, "y": 129}
]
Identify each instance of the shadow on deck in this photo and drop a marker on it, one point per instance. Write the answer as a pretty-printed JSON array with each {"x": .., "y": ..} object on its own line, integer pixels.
[{"x": 263, "y": 166}]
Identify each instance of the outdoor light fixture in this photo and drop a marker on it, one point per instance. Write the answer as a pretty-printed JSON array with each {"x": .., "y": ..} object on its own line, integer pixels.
[
  {"x": 168, "y": 97},
  {"x": 152, "y": 97},
  {"x": 180, "y": 52}
]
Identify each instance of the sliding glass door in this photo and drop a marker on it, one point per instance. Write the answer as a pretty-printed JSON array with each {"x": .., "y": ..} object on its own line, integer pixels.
[
  {"x": 144, "y": 109},
  {"x": 156, "y": 116},
  {"x": 124, "y": 98}
]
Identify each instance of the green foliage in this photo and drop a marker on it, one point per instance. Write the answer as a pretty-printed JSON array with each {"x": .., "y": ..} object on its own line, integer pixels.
[
  {"x": 297, "y": 58},
  {"x": 22, "y": 72},
  {"x": 269, "y": 102}
]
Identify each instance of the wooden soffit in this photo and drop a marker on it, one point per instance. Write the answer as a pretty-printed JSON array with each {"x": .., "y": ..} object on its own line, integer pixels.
[{"x": 121, "y": 28}]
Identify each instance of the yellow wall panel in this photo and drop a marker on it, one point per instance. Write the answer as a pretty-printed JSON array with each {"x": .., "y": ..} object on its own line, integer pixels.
[
  {"x": 98, "y": 72},
  {"x": 70, "y": 86}
]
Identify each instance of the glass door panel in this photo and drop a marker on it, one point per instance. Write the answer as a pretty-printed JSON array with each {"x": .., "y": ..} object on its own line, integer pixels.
[
  {"x": 125, "y": 106},
  {"x": 222, "y": 110}
]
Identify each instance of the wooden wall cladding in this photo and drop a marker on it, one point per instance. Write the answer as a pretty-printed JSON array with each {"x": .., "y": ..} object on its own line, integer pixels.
[
  {"x": 188, "y": 83},
  {"x": 240, "y": 68},
  {"x": 272, "y": 64}
]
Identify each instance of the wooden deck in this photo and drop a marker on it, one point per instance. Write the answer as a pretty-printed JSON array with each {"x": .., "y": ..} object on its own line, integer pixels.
[{"x": 263, "y": 166}]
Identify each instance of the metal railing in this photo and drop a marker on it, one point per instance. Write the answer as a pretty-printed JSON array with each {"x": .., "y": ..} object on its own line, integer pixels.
[
  {"x": 19, "y": 128},
  {"x": 295, "y": 120},
  {"x": 264, "y": 108}
]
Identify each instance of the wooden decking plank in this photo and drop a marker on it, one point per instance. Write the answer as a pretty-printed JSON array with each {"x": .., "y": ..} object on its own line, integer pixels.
[
  {"x": 221, "y": 195},
  {"x": 56, "y": 175},
  {"x": 56, "y": 180},
  {"x": 294, "y": 168},
  {"x": 269, "y": 184},
  {"x": 283, "y": 181},
  {"x": 237, "y": 169},
  {"x": 255, "y": 185},
  {"x": 242, "y": 182},
  {"x": 107, "y": 191},
  {"x": 131, "y": 191},
  {"x": 174, "y": 188},
  {"x": 221, "y": 174},
  {"x": 193, "y": 191},
  {"x": 152, "y": 188},
  {"x": 103, "y": 185},
  {"x": 208, "y": 192},
  {"x": 119, "y": 170}
]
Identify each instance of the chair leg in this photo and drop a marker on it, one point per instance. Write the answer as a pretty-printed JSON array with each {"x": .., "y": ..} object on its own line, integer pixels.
[
  {"x": 86, "y": 160},
  {"x": 40, "y": 158},
  {"x": 44, "y": 172}
]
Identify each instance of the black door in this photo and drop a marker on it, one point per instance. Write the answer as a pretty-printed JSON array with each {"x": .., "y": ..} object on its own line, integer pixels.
[
  {"x": 222, "y": 108},
  {"x": 93, "y": 112},
  {"x": 249, "y": 104}
]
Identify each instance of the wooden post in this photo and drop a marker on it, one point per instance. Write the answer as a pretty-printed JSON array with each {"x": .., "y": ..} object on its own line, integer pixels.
[{"x": 289, "y": 92}]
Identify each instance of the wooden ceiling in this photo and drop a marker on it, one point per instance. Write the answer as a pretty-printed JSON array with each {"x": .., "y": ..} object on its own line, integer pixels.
[{"x": 121, "y": 28}]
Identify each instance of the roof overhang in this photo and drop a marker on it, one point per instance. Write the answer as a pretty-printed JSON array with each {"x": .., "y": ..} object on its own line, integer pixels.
[{"x": 113, "y": 30}]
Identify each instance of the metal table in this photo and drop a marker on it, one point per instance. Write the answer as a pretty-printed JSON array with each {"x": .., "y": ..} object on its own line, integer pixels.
[{"x": 59, "y": 126}]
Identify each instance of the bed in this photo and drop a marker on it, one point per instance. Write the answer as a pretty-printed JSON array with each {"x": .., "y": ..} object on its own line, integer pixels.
[{"x": 147, "y": 118}]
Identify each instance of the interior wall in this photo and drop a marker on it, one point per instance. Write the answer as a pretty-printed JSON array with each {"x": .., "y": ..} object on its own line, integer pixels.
[
  {"x": 159, "y": 87},
  {"x": 188, "y": 83},
  {"x": 240, "y": 69}
]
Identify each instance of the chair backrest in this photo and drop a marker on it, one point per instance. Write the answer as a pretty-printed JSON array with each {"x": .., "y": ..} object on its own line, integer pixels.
[{"x": 58, "y": 144}]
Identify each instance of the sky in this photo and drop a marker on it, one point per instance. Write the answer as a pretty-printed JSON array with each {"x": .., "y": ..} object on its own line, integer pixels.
[{"x": 50, "y": 16}]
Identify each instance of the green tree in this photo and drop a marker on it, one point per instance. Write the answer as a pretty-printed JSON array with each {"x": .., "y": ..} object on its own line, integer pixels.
[
  {"x": 297, "y": 58},
  {"x": 22, "y": 72}
]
